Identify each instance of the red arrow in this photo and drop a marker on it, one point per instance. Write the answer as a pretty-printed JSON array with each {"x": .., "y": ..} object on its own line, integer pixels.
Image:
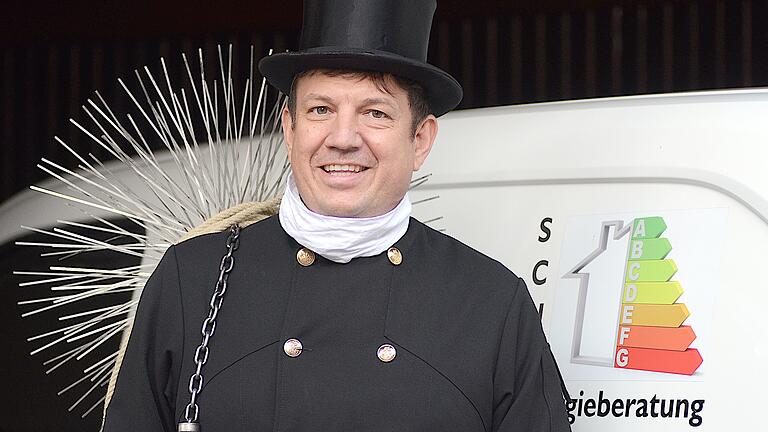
[
  {"x": 654, "y": 360},
  {"x": 665, "y": 338}
]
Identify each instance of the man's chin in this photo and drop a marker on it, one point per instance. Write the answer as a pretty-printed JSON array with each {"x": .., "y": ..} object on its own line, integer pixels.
[
  {"x": 347, "y": 205},
  {"x": 344, "y": 211}
]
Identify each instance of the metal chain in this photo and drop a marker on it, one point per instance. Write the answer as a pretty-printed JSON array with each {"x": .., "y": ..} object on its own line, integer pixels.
[{"x": 209, "y": 326}]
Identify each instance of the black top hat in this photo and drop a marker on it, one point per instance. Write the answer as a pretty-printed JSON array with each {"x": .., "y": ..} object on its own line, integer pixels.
[{"x": 388, "y": 36}]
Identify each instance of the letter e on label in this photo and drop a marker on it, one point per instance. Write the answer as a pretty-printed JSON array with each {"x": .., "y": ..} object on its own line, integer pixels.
[
  {"x": 626, "y": 314},
  {"x": 622, "y": 357}
]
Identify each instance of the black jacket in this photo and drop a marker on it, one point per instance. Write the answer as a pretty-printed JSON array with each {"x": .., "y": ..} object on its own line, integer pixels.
[{"x": 470, "y": 351}]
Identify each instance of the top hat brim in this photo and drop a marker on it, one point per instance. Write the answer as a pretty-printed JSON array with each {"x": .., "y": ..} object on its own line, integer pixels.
[{"x": 443, "y": 92}]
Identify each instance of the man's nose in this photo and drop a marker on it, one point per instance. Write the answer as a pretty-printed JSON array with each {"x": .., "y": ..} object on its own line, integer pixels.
[{"x": 344, "y": 134}]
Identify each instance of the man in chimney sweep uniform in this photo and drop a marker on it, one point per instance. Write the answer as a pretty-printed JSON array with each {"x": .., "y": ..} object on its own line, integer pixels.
[{"x": 342, "y": 313}]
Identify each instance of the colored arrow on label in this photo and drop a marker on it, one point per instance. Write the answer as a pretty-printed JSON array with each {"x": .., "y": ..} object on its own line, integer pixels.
[
  {"x": 648, "y": 227},
  {"x": 654, "y": 315},
  {"x": 649, "y": 249},
  {"x": 650, "y": 271},
  {"x": 677, "y": 362},
  {"x": 665, "y": 338},
  {"x": 652, "y": 292}
]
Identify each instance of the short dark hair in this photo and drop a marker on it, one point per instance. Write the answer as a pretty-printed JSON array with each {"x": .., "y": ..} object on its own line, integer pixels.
[{"x": 417, "y": 97}]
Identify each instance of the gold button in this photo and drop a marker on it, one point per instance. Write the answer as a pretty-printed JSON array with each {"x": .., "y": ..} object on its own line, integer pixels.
[
  {"x": 292, "y": 347},
  {"x": 305, "y": 257},
  {"x": 386, "y": 353},
  {"x": 394, "y": 255}
]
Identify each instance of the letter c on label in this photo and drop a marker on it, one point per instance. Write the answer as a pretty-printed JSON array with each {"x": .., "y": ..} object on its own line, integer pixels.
[{"x": 536, "y": 280}]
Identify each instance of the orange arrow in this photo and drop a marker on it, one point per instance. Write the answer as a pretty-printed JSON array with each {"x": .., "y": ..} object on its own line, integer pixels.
[
  {"x": 653, "y": 360},
  {"x": 653, "y": 315},
  {"x": 665, "y": 338}
]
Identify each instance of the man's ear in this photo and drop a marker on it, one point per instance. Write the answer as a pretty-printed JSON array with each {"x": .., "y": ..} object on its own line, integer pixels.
[
  {"x": 423, "y": 140},
  {"x": 287, "y": 124}
]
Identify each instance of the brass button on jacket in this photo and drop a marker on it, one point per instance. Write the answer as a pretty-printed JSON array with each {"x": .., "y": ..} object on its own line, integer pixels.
[
  {"x": 292, "y": 347},
  {"x": 305, "y": 257},
  {"x": 386, "y": 353},
  {"x": 394, "y": 255}
]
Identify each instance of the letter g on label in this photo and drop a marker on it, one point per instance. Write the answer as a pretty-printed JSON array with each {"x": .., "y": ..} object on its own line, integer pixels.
[{"x": 622, "y": 357}]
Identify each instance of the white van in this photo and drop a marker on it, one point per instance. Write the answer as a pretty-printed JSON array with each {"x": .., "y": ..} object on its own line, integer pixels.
[{"x": 639, "y": 225}]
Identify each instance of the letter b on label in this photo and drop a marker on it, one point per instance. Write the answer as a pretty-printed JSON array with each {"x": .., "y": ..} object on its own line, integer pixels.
[{"x": 637, "y": 249}]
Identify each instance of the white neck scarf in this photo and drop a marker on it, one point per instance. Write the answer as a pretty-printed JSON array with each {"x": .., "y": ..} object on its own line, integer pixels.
[{"x": 341, "y": 239}]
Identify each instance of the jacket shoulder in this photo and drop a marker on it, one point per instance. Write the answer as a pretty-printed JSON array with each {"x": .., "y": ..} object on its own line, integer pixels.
[
  {"x": 265, "y": 231},
  {"x": 464, "y": 261}
]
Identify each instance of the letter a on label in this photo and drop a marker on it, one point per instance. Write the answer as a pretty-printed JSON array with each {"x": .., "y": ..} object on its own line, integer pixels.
[{"x": 639, "y": 229}]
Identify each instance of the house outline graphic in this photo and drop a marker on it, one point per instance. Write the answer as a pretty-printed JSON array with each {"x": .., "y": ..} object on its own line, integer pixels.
[{"x": 620, "y": 230}]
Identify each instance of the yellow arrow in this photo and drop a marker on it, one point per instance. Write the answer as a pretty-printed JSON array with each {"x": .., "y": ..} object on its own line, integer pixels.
[
  {"x": 652, "y": 292},
  {"x": 653, "y": 315}
]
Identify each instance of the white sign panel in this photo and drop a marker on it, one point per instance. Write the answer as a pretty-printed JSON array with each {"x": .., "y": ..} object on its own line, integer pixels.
[{"x": 639, "y": 225}]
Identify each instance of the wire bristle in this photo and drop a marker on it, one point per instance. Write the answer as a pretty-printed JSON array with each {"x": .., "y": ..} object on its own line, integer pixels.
[{"x": 222, "y": 147}]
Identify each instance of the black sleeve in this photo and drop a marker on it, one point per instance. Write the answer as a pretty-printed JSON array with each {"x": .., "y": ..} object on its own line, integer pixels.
[
  {"x": 528, "y": 390},
  {"x": 145, "y": 393}
]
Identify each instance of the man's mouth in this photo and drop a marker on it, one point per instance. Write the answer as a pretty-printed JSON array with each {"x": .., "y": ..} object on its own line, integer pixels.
[{"x": 343, "y": 169}]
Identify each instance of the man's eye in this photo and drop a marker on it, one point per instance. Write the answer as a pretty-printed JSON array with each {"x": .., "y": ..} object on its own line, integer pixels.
[
  {"x": 377, "y": 114},
  {"x": 321, "y": 110}
]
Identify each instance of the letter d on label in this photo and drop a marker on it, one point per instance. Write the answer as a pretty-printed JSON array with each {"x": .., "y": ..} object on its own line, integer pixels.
[{"x": 630, "y": 293}]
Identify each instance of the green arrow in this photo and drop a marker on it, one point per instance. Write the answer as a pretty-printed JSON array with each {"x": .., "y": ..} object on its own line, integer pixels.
[
  {"x": 649, "y": 249},
  {"x": 650, "y": 271},
  {"x": 652, "y": 292},
  {"x": 648, "y": 227}
]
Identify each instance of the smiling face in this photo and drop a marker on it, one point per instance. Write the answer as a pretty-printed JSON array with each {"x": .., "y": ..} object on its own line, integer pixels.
[{"x": 351, "y": 145}]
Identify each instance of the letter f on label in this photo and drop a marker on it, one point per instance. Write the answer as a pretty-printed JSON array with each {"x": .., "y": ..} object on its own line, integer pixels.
[{"x": 623, "y": 335}]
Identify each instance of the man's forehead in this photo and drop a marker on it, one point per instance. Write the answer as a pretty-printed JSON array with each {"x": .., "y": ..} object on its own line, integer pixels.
[{"x": 378, "y": 85}]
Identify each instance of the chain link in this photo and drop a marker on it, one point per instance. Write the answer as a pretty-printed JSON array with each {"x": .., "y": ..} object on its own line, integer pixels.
[{"x": 209, "y": 324}]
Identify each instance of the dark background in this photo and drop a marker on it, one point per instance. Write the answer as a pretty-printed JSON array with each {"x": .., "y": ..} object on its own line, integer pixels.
[{"x": 53, "y": 55}]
